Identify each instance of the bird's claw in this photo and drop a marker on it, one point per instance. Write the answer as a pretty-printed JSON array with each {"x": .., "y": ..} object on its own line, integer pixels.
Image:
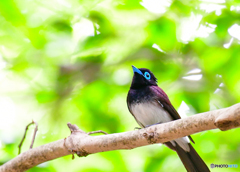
[
  {"x": 152, "y": 124},
  {"x": 137, "y": 128}
]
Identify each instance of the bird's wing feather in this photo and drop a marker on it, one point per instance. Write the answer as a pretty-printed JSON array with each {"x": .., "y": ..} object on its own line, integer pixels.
[
  {"x": 172, "y": 111},
  {"x": 164, "y": 101}
]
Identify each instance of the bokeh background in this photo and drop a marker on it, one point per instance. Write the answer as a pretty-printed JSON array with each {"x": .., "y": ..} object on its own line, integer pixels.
[{"x": 70, "y": 61}]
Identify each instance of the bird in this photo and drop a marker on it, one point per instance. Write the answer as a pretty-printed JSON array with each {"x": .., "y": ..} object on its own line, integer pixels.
[{"x": 150, "y": 105}]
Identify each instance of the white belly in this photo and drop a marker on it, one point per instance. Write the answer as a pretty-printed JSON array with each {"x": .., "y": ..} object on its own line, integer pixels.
[
  {"x": 153, "y": 113},
  {"x": 150, "y": 113}
]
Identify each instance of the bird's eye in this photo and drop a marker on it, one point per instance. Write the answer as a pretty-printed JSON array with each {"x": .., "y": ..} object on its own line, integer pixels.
[{"x": 147, "y": 75}]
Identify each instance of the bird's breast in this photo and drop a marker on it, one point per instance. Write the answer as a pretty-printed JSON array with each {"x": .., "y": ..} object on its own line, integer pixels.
[{"x": 149, "y": 113}]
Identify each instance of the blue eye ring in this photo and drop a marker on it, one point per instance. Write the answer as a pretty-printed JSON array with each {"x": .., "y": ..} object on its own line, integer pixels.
[{"x": 147, "y": 75}]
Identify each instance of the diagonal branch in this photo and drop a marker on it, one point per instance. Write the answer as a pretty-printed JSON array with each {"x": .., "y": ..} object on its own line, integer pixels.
[{"x": 81, "y": 143}]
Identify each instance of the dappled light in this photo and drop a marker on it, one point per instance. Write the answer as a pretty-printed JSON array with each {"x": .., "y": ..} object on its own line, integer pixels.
[{"x": 70, "y": 61}]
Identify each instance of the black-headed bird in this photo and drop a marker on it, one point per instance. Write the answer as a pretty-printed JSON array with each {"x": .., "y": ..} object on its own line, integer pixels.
[{"x": 150, "y": 105}]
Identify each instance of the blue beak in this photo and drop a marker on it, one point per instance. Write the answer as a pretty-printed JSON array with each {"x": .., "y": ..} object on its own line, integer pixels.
[{"x": 136, "y": 70}]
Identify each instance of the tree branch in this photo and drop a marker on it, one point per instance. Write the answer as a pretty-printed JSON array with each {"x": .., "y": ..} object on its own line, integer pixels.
[
  {"x": 81, "y": 143},
  {"x": 33, "y": 138}
]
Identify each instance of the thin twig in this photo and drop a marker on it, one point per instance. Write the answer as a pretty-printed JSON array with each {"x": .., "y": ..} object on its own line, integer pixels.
[
  {"x": 20, "y": 145},
  {"x": 34, "y": 135}
]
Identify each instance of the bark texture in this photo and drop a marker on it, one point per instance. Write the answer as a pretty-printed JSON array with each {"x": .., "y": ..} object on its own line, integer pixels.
[{"x": 83, "y": 144}]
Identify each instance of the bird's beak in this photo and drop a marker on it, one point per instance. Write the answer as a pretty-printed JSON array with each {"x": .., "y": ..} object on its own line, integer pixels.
[{"x": 136, "y": 70}]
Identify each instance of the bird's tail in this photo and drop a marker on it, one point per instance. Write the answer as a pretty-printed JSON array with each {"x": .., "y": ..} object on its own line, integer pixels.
[{"x": 191, "y": 160}]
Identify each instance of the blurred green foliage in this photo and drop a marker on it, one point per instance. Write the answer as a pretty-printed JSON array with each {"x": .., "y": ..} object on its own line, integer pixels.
[{"x": 70, "y": 61}]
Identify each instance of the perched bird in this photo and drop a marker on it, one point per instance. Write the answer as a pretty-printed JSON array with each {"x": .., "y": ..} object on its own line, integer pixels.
[{"x": 150, "y": 105}]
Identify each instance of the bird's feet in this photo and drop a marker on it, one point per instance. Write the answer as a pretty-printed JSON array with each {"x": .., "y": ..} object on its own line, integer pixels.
[
  {"x": 152, "y": 125},
  {"x": 137, "y": 128},
  {"x": 99, "y": 131}
]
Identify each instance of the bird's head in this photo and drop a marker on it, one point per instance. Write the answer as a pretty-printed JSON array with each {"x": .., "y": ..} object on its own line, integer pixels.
[{"x": 142, "y": 77}]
